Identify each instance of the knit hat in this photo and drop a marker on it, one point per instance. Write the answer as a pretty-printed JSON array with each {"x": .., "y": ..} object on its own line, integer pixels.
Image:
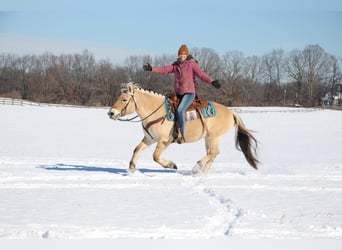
[{"x": 183, "y": 50}]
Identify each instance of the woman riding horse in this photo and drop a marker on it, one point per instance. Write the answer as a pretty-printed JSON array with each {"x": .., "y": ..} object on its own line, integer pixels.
[{"x": 150, "y": 107}]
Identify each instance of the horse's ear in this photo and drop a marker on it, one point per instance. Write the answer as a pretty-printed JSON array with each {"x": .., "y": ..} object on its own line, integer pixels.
[{"x": 130, "y": 88}]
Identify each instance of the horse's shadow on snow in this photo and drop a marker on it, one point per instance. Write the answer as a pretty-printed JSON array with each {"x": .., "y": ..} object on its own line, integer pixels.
[{"x": 118, "y": 171}]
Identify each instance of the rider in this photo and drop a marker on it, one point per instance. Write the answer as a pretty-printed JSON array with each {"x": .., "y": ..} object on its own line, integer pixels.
[{"x": 185, "y": 69}]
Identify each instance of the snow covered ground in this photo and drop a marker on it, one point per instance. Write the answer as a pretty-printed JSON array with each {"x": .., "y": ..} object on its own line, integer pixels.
[{"x": 63, "y": 175}]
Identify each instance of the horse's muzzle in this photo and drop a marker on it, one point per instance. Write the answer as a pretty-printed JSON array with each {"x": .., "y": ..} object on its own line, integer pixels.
[{"x": 113, "y": 114}]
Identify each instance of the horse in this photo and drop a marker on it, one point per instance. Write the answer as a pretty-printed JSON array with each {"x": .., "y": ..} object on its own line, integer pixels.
[{"x": 150, "y": 108}]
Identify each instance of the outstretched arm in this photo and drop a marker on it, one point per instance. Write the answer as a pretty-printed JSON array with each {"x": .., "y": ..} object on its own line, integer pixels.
[
  {"x": 161, "y": 70},
  {"x": 204, "y": 76}
]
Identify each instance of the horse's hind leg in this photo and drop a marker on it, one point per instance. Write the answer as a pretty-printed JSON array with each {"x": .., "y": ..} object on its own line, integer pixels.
[
  {"x": 145, "y": 142},
  {"x": 160, "y": 148},
  {"x": 203, "y": 165}
]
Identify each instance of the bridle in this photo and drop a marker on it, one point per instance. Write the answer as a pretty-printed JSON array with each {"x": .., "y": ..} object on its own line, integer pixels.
[
  {"x": 136, "y": 108},
  {"x": 125, "y": 108}
]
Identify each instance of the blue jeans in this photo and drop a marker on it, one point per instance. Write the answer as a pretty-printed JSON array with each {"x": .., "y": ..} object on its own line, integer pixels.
[{"x": 186, "y": 101}]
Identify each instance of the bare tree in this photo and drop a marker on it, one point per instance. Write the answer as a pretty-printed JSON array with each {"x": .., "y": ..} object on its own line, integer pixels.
[
  {"x": 209, "y": 60},
  {"x": 62, "y": 73},
  {"x": 316, "y": 60},
  {"x": 252, "y": 71},
  {"x": 334, "y": 81},
  {"x": 108, "y": 81},
  {"x": 7, "y": 68},
  {"x": 310, "y": 69},
  {"x": 273, "y": 64},
  {"x": 232, "y": 64},
  {"x": 25, "y": 66},
  {"x": 49, "y": 84},
  {"x": 232, "y": 72},
  {"x": 295, "y": 68},
  {"x": 273, "y": 70}
]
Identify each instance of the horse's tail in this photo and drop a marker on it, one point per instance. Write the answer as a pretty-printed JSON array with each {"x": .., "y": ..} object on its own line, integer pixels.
[{"x": 246, "y": 142}]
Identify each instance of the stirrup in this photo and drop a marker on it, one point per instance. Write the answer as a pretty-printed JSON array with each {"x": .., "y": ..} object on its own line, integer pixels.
[
  {"x": 177, "y": 136},
  {"x": 180, "y": 138}
]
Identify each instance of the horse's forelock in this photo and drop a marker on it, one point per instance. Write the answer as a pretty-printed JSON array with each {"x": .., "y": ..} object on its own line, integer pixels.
[
  {"x": 129, "y": 87},
  {"x": 123, "y": 87}
]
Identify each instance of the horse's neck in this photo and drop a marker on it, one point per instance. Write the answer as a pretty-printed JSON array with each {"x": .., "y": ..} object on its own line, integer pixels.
[{"x": 147, "y": 103}]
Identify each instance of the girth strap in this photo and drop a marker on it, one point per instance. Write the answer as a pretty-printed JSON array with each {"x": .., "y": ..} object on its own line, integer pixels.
[
  {"x": 198, "y": 109},
  {"x": 149, "y": 124}
]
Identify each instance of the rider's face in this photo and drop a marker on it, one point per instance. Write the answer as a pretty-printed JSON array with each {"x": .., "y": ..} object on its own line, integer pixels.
[{"x": 182, "y": 57}]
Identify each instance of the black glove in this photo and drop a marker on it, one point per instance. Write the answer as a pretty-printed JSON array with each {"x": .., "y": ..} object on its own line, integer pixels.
[
  {"x": 216, "y": 84},
  {"x": 147, "y": 67}
]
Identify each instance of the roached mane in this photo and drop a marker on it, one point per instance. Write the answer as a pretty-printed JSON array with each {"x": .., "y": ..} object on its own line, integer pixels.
[{"x": 132, "y": 86}]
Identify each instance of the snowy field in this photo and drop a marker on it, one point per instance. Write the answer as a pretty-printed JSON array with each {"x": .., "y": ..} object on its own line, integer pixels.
[{"x": 63, "y": 175}]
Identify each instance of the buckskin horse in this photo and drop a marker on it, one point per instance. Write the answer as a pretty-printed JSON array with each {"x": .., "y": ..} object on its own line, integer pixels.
[{"x": 151, "y": 108}]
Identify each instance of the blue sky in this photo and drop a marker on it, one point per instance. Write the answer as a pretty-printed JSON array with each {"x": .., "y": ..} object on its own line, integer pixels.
[{"x": 116, "y": 30}]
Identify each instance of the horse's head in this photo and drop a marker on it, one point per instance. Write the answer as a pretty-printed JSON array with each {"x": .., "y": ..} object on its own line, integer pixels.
[{"x": 125, "y": 104}]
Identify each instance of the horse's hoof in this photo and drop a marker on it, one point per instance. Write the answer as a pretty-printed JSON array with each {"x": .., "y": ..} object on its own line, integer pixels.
[
  {"x": 197, "y": 170},
  {"x": 132, "y": 166},
  {"x": 131, "y": 170},
  {"x": 172, "y": 165}
]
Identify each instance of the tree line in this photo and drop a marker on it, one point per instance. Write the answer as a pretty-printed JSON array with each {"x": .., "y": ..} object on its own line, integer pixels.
[{"x": 299, "y": 77}]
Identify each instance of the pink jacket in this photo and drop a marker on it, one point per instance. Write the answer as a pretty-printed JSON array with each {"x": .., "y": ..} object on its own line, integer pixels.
[{"x": 184, "y": 75}]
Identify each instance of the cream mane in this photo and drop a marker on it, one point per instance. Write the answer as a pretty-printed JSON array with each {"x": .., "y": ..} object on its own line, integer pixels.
[{"x": 130, "y": 87}]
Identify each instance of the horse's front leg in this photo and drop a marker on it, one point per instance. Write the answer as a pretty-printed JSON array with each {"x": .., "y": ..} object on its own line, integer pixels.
[
  {"x": 160, "y": 148},
  {"x": 145, "y": 142}
]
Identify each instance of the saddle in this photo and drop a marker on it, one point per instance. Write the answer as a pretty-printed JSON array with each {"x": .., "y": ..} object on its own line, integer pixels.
[{"x": 197, "y": 104}]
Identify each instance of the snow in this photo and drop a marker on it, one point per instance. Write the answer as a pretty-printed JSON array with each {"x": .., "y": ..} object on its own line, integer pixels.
[{"x": 63, "y": 175}]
